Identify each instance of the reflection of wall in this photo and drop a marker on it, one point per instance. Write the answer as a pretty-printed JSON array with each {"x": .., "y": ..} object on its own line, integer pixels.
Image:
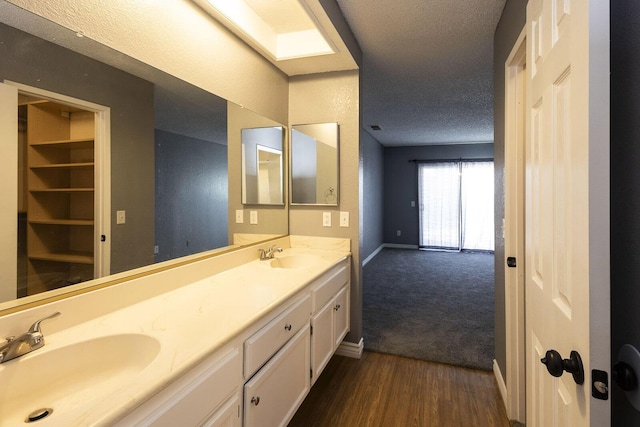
[
  {"x": 333, "y": 98},
  {"x": 271, "y": 219},
  {"x": 32, "y": 61},
  {"x": 304, "y": 168},
  {"x": 327, "y": 171},
  {"x": 191, "y": 195}
]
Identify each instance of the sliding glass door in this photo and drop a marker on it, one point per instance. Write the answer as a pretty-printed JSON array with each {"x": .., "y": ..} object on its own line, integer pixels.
[{"x": 456, "y": 205}]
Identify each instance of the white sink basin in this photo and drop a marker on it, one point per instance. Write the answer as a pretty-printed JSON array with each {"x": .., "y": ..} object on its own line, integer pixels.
[
  {"x": 67, "y": 377},
  {"x": 295, "y": 261}
]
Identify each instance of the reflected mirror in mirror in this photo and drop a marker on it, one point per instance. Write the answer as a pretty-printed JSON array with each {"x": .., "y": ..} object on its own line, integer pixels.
[
  {"x": 315, "y": 164},
  {"x": 168, "y": 176},
  {"x": 262, "y": 166}
]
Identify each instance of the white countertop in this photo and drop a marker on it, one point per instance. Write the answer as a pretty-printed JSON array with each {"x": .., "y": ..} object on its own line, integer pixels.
[{"x": 189, "y": 323}]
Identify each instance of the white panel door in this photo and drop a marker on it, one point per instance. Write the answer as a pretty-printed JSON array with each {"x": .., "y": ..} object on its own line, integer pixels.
[
  {"x": 8, "y": 192},
  {"x": 567, "y": 206}
]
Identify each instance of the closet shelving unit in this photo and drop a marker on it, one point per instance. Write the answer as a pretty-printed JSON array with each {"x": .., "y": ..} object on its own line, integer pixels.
[{"x": 60, "y": 195}]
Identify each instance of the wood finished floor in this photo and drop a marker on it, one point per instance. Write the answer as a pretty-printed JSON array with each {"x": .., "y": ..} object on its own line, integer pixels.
[{"x": 384, "y": 390}]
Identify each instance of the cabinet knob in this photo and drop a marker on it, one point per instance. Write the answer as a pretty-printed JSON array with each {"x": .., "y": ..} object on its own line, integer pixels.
[
  {"x": 287, "y": 327},
  {"x": 255, "y": 400}
]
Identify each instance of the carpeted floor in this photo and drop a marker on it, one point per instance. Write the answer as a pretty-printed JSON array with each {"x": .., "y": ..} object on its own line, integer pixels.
[{"x": 434, "y": 306}]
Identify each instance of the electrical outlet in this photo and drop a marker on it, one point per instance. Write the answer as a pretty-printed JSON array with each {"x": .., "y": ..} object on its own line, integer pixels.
[
  {"x": 253, "y": 217},
  {"x": 239, "y": 216},
  {"x": 326, "y": 219},
  {"x": 413, "y": 203},
  {"x": 344, "y": 219},
  {"x": 156, "y": 249},
  {"x": 399, "y": 233},
  {"x": 121, "y": 217}
]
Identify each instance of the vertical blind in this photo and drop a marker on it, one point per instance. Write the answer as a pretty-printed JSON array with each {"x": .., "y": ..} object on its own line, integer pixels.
[{"x": 456, "y": 205}]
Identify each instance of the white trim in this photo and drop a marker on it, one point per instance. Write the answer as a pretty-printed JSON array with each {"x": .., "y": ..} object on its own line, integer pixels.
[
  {"x": 373, "y": 254},
  {"x": 350, "y": 349},
  {"x": 500, "y": 381},
  {"x": 514, "y": 392},
  {"x": 102, "y": 141}
]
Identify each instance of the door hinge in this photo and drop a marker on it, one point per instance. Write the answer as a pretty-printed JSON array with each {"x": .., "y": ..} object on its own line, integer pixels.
[
  {"x": 103, "y": 238},
  {"x": 311, "y": 373},
  {"x": 511, "y": 261},
  {"x": 311, "y": 330}
]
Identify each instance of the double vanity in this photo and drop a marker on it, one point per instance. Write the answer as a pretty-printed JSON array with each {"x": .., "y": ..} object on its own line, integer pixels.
[{"x": 228, "y": 340}]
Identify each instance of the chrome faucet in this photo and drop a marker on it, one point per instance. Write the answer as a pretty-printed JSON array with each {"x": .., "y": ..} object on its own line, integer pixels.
[
  {"x": 266, "y": 254},
  {"x": 25, "y": 343}
]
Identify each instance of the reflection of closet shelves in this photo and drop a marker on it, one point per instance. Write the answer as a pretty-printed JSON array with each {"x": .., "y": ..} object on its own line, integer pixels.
[{"x": 60, "y": 195}]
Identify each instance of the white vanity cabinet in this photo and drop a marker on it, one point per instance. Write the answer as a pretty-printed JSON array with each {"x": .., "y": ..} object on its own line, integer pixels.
[
  {"x": 203, "y": 396},
  {"x": 330, "y": 320}
]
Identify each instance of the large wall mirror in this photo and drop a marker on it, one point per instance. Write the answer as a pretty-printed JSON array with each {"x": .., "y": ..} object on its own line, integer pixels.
[
  {"x": 315, "y": 164},
  {"x": 170, "y": 171}
]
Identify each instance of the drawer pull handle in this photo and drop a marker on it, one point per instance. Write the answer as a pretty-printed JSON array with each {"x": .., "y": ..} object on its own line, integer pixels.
[
  {"x": 337, "y": 307},
  {"x": 287, "y": 326},
  {"x": 255, "y": 400}
]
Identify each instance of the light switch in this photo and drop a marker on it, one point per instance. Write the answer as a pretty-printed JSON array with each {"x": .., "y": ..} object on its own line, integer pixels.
[
  {"x": 326, "y": 219},
  {"x": 120, "y": 217},
  {"x": 239, "y": 216},
  {"x": 413, "y": 203},
  {"x": 344, "y": 219},
  {"x": 253, "y": 217}
]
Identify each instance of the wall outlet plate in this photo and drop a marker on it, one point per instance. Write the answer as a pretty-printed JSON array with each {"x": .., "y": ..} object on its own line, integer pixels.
[
  {"x": 239, "y": 216},
  {"x": 326, "y": 219},
  {"x": 344, "y": 219},
  {"x": 253, "y": 217},
  {"x": 121, "y": 217}
]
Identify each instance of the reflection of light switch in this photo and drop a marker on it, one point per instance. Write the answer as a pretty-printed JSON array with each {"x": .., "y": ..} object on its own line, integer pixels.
[
  {"x": 239, "y": 216},
  {"x": 326, "y": 219},
  {"x": 344, "y": 219},
  {"x": 120, "y": 217},
  {"x": 413, "y": 203},
  {"x": 253, "y": 217}
]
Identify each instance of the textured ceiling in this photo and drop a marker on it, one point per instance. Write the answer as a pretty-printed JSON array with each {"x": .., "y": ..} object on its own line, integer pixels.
[{"x": 428, "y": 68}]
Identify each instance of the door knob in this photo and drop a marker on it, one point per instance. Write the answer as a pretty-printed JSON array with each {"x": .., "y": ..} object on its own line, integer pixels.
[{"x": 556, "y": 365}]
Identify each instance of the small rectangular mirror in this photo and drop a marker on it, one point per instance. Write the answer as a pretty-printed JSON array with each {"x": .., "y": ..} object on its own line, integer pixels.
[
  {"x": 262, "y": 166},
  {"x": 315, "y": 164}
]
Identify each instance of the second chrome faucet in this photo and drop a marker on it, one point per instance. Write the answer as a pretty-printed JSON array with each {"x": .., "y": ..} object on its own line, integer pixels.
[{"x": 25, "y": 343}]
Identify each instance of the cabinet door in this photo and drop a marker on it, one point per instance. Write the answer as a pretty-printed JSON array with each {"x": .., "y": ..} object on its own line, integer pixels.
[
  {"x": 341, "y": 316},
  {"x": 227, "y": 416},
  {"x": 275, "y": 392},
  {"x": 322, "y": 346}
]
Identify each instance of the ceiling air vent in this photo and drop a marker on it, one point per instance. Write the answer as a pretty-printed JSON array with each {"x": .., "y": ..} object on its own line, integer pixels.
[{"x": 375, "y": 127}]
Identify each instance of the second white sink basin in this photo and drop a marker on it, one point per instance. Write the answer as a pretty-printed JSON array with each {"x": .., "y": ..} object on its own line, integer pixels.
[
  {"x": 295, "y": 261},
  {"x": 64, "y": 378}
]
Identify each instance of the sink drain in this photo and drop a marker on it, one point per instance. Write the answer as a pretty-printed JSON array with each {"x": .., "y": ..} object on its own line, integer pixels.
[{"x": 38, "y": 414}]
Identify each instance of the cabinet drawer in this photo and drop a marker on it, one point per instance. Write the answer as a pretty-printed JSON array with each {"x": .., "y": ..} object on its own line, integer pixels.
[
  {"x": 326, "y": 286},
  {"x": 264, "y": 343}
]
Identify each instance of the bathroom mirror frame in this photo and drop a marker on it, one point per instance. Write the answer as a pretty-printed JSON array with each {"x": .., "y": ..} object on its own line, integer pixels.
[
  {"x": 117, "y": 278},
  {"x": 325, "y": 185}
]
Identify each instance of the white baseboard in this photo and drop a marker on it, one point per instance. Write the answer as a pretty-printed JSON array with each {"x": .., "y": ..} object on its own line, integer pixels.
[
  {"x": 373, "y": 254},
  {"x": 501, "y": 384},
  {"x": 351, "y": 349}
]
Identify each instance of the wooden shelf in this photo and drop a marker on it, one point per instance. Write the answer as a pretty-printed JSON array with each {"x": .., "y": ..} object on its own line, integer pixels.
[
  {"x": 79, "y": 165},
  {"x": 72, "y": 257},
  {"x": 60, "y": 190},
  {"x": 75, "y": 222},
  {"x": 65, "y": 143}
]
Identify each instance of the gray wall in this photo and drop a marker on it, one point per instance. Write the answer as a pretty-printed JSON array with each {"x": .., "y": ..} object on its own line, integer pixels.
[
  {"x": 373, "y": 194},
  {"x": 511, "y": 24},
  {"x": 625, "y": 192},
  {"x": 191, "y": 195},
  {"x": 32, "y": 61},
  {"x": 401, "y": 185}
]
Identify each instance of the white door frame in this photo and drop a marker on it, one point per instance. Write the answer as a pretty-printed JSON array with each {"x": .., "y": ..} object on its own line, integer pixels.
[
  {"x": 102, "y": 171},
  {"x": 514, "y": 152}
]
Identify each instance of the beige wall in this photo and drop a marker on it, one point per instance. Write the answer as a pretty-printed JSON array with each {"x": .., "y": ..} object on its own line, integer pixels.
[{"x": 326, "y": 98}]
